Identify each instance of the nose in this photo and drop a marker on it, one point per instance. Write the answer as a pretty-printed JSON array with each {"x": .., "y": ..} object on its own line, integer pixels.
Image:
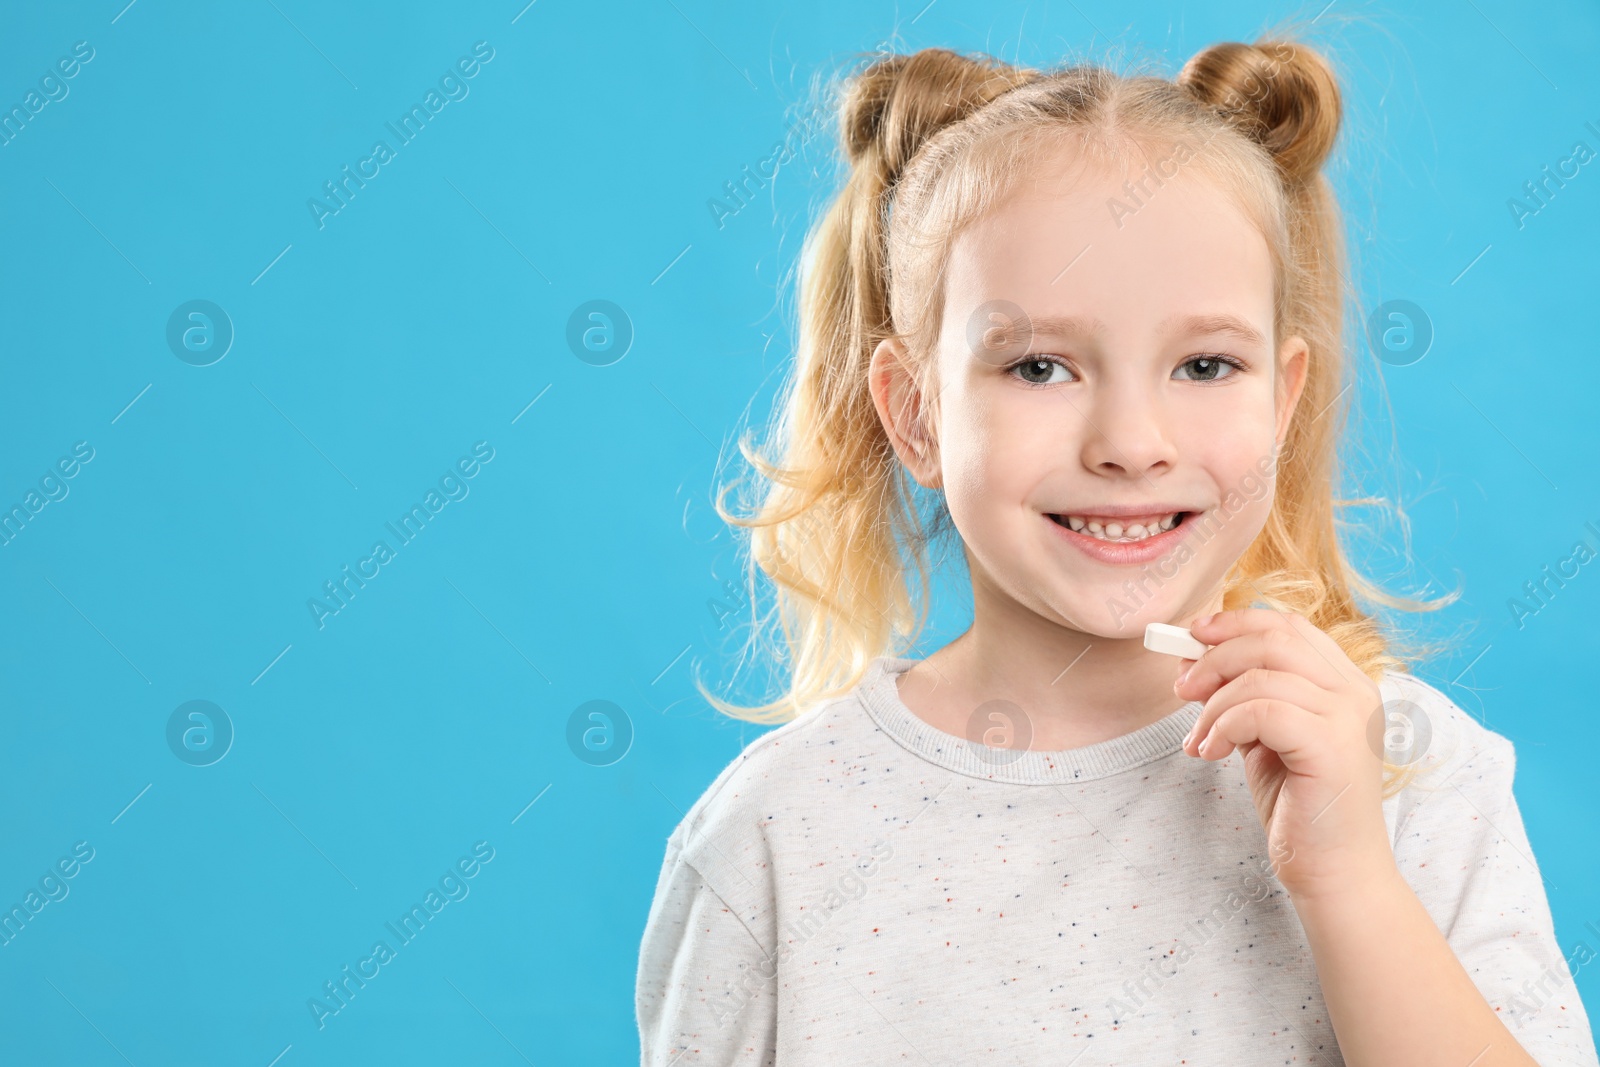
[{"x": 1127, "y": 432}]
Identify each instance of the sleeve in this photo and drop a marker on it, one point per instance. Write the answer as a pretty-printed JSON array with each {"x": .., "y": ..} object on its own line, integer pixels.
[
  {"x": 705, "y": 992},
  {"x": 1464, "y": 850}
]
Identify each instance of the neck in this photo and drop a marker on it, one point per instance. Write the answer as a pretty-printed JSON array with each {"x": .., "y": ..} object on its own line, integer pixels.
[{"x": 1076, "y": 688}]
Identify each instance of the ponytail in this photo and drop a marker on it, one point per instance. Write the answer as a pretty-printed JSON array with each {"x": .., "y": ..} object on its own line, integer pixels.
[{"x": 839, "y": 531}]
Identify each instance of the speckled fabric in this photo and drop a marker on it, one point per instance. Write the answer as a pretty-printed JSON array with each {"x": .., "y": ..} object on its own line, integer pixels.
[{"x": 858, "y": 887}]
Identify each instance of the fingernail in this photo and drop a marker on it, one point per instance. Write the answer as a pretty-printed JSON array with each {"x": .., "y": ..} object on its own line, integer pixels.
[
  {"x": 1204, "y": 619},
  {"x": 1184, "y": 676}
]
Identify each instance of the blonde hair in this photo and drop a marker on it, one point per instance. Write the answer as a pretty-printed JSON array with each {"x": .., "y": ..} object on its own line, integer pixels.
[{"x": 933, "y": 140}]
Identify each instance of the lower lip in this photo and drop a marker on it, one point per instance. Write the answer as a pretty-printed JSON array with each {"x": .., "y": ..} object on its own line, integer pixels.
[{"x": 1124, "y": 552}]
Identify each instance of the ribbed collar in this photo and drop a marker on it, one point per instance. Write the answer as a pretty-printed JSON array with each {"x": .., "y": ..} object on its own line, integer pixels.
[{"x": 881, "y": 698}]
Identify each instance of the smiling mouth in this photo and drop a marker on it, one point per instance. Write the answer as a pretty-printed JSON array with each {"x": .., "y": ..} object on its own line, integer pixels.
[{"x": 1121, "y": 531}]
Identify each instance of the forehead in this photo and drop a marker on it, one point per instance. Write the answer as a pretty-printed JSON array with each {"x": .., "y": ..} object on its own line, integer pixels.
[{"x": 1130, "y": 246}]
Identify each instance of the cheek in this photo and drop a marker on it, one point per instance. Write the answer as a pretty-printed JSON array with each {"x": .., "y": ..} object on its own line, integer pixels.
[
  {"x": 1233, "y": 443},
  {"x": 1245, "y": 494},
  {"x": 985, "y": 455},
  {"x": 1233, "y": 436}
]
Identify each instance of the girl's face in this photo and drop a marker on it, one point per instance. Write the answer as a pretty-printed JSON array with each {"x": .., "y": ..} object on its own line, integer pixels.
[{"x": 1106, "y": 355}]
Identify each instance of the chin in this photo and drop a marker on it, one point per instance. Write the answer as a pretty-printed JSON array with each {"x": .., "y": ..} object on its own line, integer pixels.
[
  {"x": 1124, "y": 626},
  {"x": 1113, "y": 613}
]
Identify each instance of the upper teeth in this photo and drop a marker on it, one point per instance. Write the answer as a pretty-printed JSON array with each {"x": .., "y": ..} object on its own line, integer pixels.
[{"x": 1116, "y": 531}]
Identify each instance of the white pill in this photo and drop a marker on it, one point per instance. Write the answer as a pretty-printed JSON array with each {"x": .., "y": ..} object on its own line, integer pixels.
[{"x": 1173, "y": 641}]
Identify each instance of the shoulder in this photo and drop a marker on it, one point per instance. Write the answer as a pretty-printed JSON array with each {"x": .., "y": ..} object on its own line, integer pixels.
[
  {"x": 1457, "y": 761},
  {"x": 1460, "y": 843},
  {"x": 767, "y": 780},
  {"x": 1428, "y": 727}
]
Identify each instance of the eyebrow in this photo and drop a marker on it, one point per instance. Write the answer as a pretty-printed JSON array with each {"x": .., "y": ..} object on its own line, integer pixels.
[
  {"x": 1089, "y": 326},
  {"x": 1231, "y": 325}
]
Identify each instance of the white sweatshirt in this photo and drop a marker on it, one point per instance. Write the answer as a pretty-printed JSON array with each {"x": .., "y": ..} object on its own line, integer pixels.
[{"x": 859, "y": 887}]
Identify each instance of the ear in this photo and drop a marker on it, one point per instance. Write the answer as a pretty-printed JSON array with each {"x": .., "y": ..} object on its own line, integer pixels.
[
  {"x": 1294, "y": 358},
  {"x": 902, "y": 410}
]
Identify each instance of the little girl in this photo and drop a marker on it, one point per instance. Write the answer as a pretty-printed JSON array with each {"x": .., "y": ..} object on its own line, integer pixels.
[{"x": 1099, "y": 319}]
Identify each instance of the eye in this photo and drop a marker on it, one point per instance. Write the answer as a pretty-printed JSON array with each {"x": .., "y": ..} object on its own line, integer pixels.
[
  {"x": 1039, "y": 371},
  {"x": 1209, "y": 367}
]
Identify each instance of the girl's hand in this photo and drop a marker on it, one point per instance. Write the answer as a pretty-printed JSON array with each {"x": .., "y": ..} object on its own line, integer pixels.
[{"x": 1300, "y": 713}]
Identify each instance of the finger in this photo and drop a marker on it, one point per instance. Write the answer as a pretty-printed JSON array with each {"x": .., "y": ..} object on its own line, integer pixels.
[
  {"x": 1275, "y": 649},
  {"x": 1226, "y": 625},
  {"x": 1258, "y": 683},
  {"x": 1295, "y": 734}
]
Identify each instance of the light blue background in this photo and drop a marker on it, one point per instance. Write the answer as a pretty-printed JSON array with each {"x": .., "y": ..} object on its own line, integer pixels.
[{"x": 429, "y": 313}]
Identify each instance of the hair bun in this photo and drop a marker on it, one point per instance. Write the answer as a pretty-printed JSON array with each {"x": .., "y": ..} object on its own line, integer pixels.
[
  {"x": 1284, "y": 96},
  {"x": 894, "y": 104}
]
